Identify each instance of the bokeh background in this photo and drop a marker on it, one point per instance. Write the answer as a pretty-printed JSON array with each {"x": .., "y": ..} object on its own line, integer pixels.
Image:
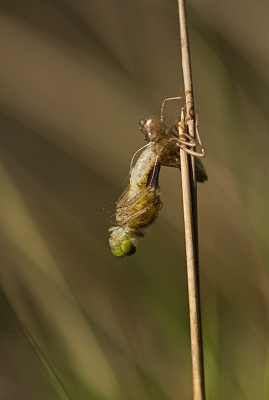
[{"x": 76, "y": 76}]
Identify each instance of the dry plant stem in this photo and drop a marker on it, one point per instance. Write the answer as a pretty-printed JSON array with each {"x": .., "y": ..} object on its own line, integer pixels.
[{"x": 189, "y": 191}]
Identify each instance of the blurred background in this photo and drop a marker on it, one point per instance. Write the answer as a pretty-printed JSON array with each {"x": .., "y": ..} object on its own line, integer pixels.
[{"x": 76, "y": 77}]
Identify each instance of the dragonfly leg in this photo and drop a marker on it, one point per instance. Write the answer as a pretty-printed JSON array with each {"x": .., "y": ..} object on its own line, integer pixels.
[{"x": 170, "y": 98}]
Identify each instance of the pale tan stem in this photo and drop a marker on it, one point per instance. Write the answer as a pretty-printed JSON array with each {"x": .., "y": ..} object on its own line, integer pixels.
[{"x": 189, "y": 190}]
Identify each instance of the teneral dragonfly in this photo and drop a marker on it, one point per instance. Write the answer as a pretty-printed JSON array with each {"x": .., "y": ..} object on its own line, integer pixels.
[
  {"x": 140, "y": 203},
  {"x": 137, "y": 207}
]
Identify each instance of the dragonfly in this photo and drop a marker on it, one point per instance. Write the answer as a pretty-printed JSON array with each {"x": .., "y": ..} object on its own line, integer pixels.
[
  {"x": 138, "y": 206},
  {"x": 140, "y": 203}
]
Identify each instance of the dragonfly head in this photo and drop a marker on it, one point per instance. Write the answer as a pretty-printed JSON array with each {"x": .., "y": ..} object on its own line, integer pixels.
[
  {"x": 123, "y": 248},
  {"x": 152, "y": 128}
]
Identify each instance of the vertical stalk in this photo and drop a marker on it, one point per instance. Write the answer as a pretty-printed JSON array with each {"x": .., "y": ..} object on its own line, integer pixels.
[{"x": 189, "y": 191}]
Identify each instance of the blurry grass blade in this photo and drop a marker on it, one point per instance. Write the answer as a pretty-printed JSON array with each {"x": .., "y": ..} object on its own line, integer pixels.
[{"x": 49, "y": 371}]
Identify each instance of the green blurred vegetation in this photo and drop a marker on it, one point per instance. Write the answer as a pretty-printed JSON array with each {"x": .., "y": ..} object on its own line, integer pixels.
[{"x": 76, "y": 77}]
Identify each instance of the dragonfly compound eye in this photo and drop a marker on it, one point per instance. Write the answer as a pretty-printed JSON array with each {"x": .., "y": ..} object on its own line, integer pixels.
[
  {"x": 122, "y": 248},
  {"x": 127, "y": 248}
]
